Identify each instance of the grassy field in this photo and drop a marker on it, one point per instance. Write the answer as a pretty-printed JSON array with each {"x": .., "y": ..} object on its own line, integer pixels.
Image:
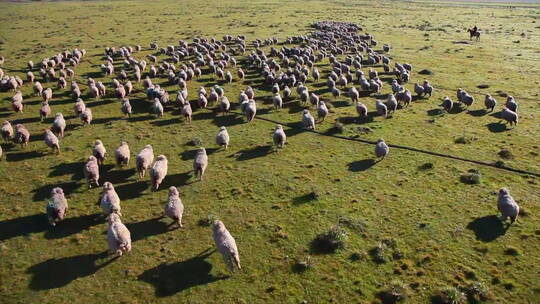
[{"x": 433, "y": 231}]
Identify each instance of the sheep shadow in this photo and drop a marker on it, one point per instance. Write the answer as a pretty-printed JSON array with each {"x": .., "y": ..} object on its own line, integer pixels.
[
  {"x": 305, "y": 198},
  {"x": 435, "y": 112},
  {"x": 140, "y": 118},
  {"x": 106, "y": 120},
  {"x": 477, "y": 113},
  {"x": 180, "y": 179},
  {"x": 73, "y": 225},
  {"x": 56, "y": 273},
  {"x": 190, "y": 154},
  {"x": 487, "y": 228},
  {"x": 252, "y": 153},
  {"x": 117, "y": 176},
  {"x": 202, "y": 116},
  {"x": 131, "y": 191},
  {"x": 144, "y": 229},
  {"x": 227, "y": 120},
  {"x": 162, "y": 123},
  {"x": 76, "y": 169},
  {"x": 18, "y": 156},
  {"x": 496, "y": 127},
  {"x": 295, "y": 128},
  {"x": 25, "y": 120},
  {"x": 340, "y": 104},
  {"x": 169, "y": 279},
  {"x": 42, "y": 193},
  {"x": 23, "y": 226},
  {"x": 361, "y": 165}
]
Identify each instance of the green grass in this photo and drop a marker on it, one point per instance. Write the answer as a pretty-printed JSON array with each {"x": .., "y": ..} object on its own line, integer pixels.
[{"x": 433, "y": 230}]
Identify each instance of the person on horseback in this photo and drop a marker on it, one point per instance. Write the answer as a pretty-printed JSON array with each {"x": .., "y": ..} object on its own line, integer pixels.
[{"x": 475, "y": 29}]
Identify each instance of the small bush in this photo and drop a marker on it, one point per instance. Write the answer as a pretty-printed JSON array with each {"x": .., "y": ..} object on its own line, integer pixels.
[
  {"x": 511, "y": 250},
  {"x": 331, "y": 240},
  {"x": 450, "y": 295},
  {"x": 207, "y": 221},
  {"x": 505, "y": 153},
  {"x": 339, "y": 127},
  {"x": 378, "y": 253},
  {"x": 499, "y": 164},
  {"x": 477, "y": 292},
  {"x": 396, "y": 292},
  {"x": 472, "y": 177},
  {"x": 357, "y": 225},
  {"x": 426, "y": 166},
  {"x": 462, "y": 140},
  {"x": 302, "y": 264}
]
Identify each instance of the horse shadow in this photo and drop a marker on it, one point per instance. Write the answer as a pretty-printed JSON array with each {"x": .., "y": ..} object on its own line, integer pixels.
[
  {"x": 171, "y": 278},
  {"x": 487, "y": 228},
  {"x": 56, "y": 273}
]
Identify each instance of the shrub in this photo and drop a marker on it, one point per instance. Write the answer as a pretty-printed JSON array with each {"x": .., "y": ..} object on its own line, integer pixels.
[
  {"x": 208, "y": 220},
  {"x": 377, "y": 253},
  {"x": 394, "y": 293},
  {"x": 339, "y": 127},
  {"x": 331, "y": 240},
  {"x": 302, "y": 264},
  {"x": 477, "y": 292},
  {"x": 450, "y": 295},
  {"x": 472, "y": 177},
  {"x": 513, "y": 251},
  {"x": 505, "y": 153},
  {"x": 426, "y": 166}
]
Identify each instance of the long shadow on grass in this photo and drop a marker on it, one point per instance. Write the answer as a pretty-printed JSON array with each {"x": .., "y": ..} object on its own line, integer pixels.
[
  {"x": 361, "y": 165},
  {"x": 44, "y": 192},
  {"x": 190, "y": 154},
  {"x": 487, "y": 228},
  {"x": 117, "y": 176},
  {"x": 496, "y": 127},
  {"x": 305, "y": 198},
  {"x": 133, "y": 190},
  {"x": 76, "y": 169},
  {"x": 227, "y": 120},
  {"x": 18, "y": 156},
  {"x": 259, "y": 151},
  {"x": 144, "y": 229},
  {"x": 169, "y": 279},
  {"x": 56, "y": 273}
]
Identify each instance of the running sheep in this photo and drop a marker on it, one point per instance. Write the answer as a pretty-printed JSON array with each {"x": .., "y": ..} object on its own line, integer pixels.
[
  {"x": 308, "y": 121},
  {"x": 118, "y": 236},
  {"x": 381, "y": 149},
  {"x": 507, "y": 206},
  {"x": 99, "y": 151},
  {"x": 126, "y": 107},
  {"x": 226, "y": 245},
  {"x": 174, "y": 208},
  {"x": 56, "y": 206},
  {"x": 22, "y": 136},
  {"x": 222, "y": 138},
  {"x": 91, "y": 171},
  {"x": 510, "y": 116},
  {"x": 158, "y": 172},
  {"x": 7, "y": 131},
  {"x": 200, "y": 163},
  {"x": 490, "y": 102},
  {"x": 279, "y": 136},
  {"x": 110, "y": 201},
  {"x": 122, "y": 154},
  {"x": 52, "y": 141}
]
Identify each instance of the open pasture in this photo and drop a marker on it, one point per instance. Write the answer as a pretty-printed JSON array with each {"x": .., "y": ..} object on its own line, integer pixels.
[{"x": 413, "y": 226}]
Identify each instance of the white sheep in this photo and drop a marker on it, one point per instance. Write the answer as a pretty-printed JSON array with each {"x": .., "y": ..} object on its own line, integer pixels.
[
  {"x": 86, "y": 116},
  {"x": 200, "y": 163},
  {"x": 99, "y": 151},
  {"x": 158, "y": 172},
  {"x": 507, "y": 205},
  {"x": 174, "y": 207},
  {"x": 279, "y": 136},
  {"x": 226, "y": 245},
  {"x": 381, "y": 108},
  {"x": 251, "y": 110},
  {"x": 144, "y": 160},
  {"x": 381, "y": 149},
  {"x": 56, "y": 206},
  {"x": 322, "y": 111},
  {"x": 22, "y": 136},
  {"x": 308, "y": 121},
  {"x": 110, "y": 201},
  {"x": 222, "y": 138},
  {"x": 510, "y": 116},
  {"x": 122, "y": 154},
  {"x": 490, "y": 102},
  {"x": 7, "y": 131},
  {"x": 52, "y": 141},
  {"x": 118, "y": 236},
  {"x": 91, "y": 171}
]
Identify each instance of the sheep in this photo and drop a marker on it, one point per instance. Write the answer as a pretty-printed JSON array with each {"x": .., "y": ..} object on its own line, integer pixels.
[
  {"x": 353, "y": 94},
  {"x": 59, "y": 125},
  {"x": 22, "y": 136},
  {"x": 120, "y": 92},
  {"x": 122, "y": 154},
  {"x": 62, "y": 83},
  {"x": 381, "y": 149},
  {"x": 44, "y": 111},
  {"x": 158, "y": 172},
  {"x": 381, "y": 108},
  {"x": 396, "y": 87},
  {"x": 47, "y": 94},
  {"x": 405, "y": 97},
  {"x": 240, "y": 73},
  {"x": 126, "y": 107},
  {"x": 277, "y": 101},
  {"x": 490, "y": 102},
  {"x": 507, "y": 206},
  {"x": 174, "y": 207},
  {"x": 202, "y": 101},
  {"x": 30, "y": 77},
  {"x": 428, "y": 89},
  {"x": 157, "y": 108},
  {"x": 7, "y": 131},
  {"x": 222, "y": 138},
  {"x": 279, "y": 136},
  {"x": 307, "y": 120},
  {"x": 313, "y": 99},
  {"x": 418, "y": 89},
  {"x": 187, "y": 111},
  {"x": 336, "y": 92},
  {"x": 110, "y": 201},
  {"x": 99, "y": 151},
  {"x": 30, "y": 65},
  {"x": 251, "y": 110},
  {"x": 511, "y": 104},
  {"x": 286, "y": 92},
  {"x": 510, "y": 116},
  {"x": 38, "y": 88},
  {"x": 213, "y": 96},
  {"x": 447, "y": 104},
  {"x": 228, "y": 77},
  {"x": 361, "y": 109},
  {"x": 391, "y": 103},
  {"x": 200, "y": 163},
  {"x": 128, "y": 88},
  {"x": 224, "y": 105},
  {"x": 56, "y": 206},
  {"x": 86, "y": 116},
  {"x": 118, "y": 236},
  {"x": 316, "y": 75},
  {"x": 226, "y": 245},
  {"x": 322, "y": 111},
  {"x": 91, "y": 171},
  {"x": 17, "y": 106},
  {"x": 52, "y": 141}
]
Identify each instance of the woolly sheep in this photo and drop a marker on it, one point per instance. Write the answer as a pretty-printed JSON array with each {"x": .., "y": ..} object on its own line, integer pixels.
[
  {"x": 507, "y": 205},
  {"x": 381, "y": 108},
  {"x": 22, "y": 136},
  {"x": 307, "y": 120},
  {"x": 174, "y": 208},
  {"x": 428, "y": 89},
  {"x": 381, "y": 149},
  {"x": 99, "y": 151},
  {"x": 251, "y": 110},
  {"x": 222, "y": 138},
  {"x": 86, "y": 116},
  {"x": 418, "y": 89},
  {"x": 118, "y": 236},
  {"x": 91, "y": 171},
  {"x": 187, "y": 111},
  {"x": 361, "y": 109},
  {"x": 202, "y": 101},
  {"x": 56, "y": 206},
  {"x": 279, "y": 136},
  {"x": 38, "y": 88},
  {"x": 391, "y": 103},
  {"x": 286, "y": 92},
  {"x": 110, "y": 201},
  {"x": 353, "y": 94},
  {"x": 126, "y": 107},
  {"x": 447, "y": 104},
  {"x": 226, "y": 245},
  {"x": 52, "y": 141},
  {"x": 7, "y": 130},
  {"x": 122, "y": 154},
  {"x": 510, "y": 116},
  {"x": 157, "y": 108},
  {"x": 30, "y": 76},
  {"x": 44, "y": 111},
  {"x": 17, "y": 106},
  {"x": 144, "y": 160},
  {"x": 404, "y": 97},
  {"x": 322, "y": 111},
  {"x": 47, "y": 94},
  {"x": 158, "y": 172},
  {"x": 511, "y": 104},
  {"x": 490, "y": 102},
  {"x": 200, "y": 163},
  {"x": 59, "y": 125},
  {"x": 224, "y": 104},
  {"x": 240, "y": 73}
]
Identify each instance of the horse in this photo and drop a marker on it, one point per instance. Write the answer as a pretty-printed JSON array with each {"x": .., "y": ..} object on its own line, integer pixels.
[{"x": 474, "y": 34}]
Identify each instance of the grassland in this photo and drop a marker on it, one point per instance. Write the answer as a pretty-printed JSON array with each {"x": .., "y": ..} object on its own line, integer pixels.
[{"x": 444, "y": 231}]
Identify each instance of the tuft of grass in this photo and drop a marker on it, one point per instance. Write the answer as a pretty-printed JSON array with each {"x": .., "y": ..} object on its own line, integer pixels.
[
  {"x": 450, "y": 295},
  {"x": 505, "y": 153},
  {"x": 302, "y": 264},
  {"x": 357, "y": 225},
  {"x": 426, "y": 166},
  {"x": 207, "y": 221},
  {"x": 477, "y": 292},
  {"x": 330, "y": 241},
  {"x": 378, "y": 253},
  {"x": 513, "y": 251},
  {"x": 472, "y": 177},
  {"x": 396, "y": 292}
]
